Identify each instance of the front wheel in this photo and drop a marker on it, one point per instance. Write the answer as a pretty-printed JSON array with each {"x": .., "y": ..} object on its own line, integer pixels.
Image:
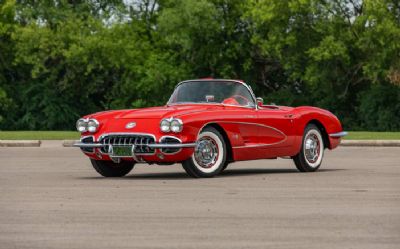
[
  {"x": 209, "y": 155},
  {"x": 309, "y": 158},
  {"x": 111, "y": 169}
]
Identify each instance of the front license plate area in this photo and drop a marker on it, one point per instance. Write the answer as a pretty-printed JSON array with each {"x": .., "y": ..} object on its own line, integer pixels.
[{"x": 122, "y": 151}]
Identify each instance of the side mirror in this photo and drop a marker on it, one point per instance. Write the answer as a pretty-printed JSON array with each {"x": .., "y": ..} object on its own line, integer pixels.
[{"x": 260, "y": 101}]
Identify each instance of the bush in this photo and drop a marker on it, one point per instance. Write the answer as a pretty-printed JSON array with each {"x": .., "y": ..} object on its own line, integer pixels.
[{"x": 379, "y": 108}]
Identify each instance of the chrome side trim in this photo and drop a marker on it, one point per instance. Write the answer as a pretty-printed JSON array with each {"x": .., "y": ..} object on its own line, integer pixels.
[
  {"x": 256, "y": 145},
  {"x": 339, "y": 134},
  {"x": 247, "y": 146}
]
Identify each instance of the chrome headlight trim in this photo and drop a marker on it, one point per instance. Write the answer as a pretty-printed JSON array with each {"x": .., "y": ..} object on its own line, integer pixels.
[
  {"x": 165, "y": 125},
  {"x": 81, "y": 125},
  {"x": 176, "y": 125},
  {"x": 92, "y": 125},
  {"x": 171, "y": 125},
  {"x": 87, "y": 125}
]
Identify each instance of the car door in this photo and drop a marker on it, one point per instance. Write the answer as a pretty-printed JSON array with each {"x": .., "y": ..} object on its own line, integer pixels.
[
  {"x": 241, "y": 124},
  {"x": 275, "y": 132}
]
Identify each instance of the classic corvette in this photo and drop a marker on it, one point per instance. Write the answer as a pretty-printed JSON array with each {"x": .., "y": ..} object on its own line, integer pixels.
[{"x": 206, "y": 125}]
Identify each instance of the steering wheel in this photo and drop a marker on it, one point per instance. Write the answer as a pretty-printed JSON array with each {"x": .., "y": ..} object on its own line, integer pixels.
[{"x": 241, "y": 99}]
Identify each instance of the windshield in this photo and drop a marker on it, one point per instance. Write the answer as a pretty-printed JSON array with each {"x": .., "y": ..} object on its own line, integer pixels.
[{"x": 222, "y": 92}]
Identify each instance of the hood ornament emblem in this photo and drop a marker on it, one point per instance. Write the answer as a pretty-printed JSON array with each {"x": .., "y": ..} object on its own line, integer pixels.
[{"x": 130, "y": 125}]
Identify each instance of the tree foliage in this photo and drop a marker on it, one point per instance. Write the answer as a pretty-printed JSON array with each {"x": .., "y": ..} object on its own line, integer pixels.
[{"x": 61, "y": 59}]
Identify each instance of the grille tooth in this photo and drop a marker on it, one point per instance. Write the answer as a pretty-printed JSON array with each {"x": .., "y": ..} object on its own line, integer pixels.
[
  {"x": 141, "y": 142},
  {"x": 147, "y": 147},
  {"x": 136, "y": 147},
  {"x": 141, "y": 146}
]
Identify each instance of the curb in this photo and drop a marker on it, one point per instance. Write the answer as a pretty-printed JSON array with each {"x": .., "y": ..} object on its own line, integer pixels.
[
  {"x": 20, "y": 143},
  {"x": 68, "y": 143},
  {"x": 370, "y": 143}
]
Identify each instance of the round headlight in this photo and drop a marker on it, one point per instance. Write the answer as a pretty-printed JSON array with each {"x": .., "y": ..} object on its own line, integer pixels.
[
  {"x": 81, "y": 125},
  {"x": 92, "y": 125},
  {"x": 176, "y": 125},
  {"x": 165, "y": 125}
]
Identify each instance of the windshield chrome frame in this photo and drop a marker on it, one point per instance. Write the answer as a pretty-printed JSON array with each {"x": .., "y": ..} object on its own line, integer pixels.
[{"x": 219, "y": 80}]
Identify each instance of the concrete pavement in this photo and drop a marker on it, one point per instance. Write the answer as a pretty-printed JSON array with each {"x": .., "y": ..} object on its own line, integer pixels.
[{"x": 50, "y": 197}]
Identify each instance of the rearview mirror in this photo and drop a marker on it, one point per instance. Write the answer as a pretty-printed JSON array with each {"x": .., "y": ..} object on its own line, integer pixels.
[{"x": 210, "y": 98}]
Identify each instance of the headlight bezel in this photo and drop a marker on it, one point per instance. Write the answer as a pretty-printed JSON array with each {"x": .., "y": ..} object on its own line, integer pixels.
[
  {"x": 81, "y": 125},
  {"x": 90, "y": 125},
  {"x": 166, "y": 125},
  {"x": 176, "y": 123}
]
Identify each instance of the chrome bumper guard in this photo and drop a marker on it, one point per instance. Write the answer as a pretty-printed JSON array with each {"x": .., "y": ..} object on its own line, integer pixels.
[{"x": 339, "y": 134}]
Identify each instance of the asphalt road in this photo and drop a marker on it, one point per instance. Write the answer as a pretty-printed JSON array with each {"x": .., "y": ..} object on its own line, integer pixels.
[{"x": 50, "y": 197}]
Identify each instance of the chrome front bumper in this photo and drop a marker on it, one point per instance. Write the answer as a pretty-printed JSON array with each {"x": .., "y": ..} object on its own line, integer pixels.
[
  {"x": 339, "y": 134},
  {"x": 154, "y": 146},
  {"x": 108, "y": 149}
]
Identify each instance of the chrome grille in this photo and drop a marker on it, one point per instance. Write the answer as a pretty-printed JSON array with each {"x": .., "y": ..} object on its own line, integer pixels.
[{"x": 141, "y": 142}]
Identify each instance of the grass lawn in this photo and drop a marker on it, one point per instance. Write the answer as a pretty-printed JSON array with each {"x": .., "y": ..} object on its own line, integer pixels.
[
  {"x": 365, "y": 135},
  {"x": 62, "y": 135},
  {"x": 38, "y": 135}
]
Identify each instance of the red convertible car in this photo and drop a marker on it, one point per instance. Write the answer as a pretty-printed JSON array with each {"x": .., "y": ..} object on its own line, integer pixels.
[{"x": 207, "y": 124}]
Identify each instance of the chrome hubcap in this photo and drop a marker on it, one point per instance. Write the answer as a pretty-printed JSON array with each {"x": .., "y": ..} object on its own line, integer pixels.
[
  {"x": 312, "y": 148},
  {"x": 206, "y": 152}
]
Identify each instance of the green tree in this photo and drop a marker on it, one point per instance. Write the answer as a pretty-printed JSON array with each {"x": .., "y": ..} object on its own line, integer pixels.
[
  {"x": 331, "y": 50},
  {"x": 62, "y": 59},
  {"x": 7, "y": 71}
]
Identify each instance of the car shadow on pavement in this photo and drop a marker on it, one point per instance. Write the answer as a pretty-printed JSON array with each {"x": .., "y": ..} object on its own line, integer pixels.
[
  {"x": 240, "y": 172},
  {"x": 226, "y": 173}
]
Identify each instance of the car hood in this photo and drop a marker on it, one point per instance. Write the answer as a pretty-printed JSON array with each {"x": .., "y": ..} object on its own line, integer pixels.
[{"x": 160, "y": 112}]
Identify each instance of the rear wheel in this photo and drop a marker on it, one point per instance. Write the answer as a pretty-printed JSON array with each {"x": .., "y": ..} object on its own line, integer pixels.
[
  {"x": 111, "y": 169},
  {"x": 310, "y": 156},
  {"x": 209, "y": 155}
]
